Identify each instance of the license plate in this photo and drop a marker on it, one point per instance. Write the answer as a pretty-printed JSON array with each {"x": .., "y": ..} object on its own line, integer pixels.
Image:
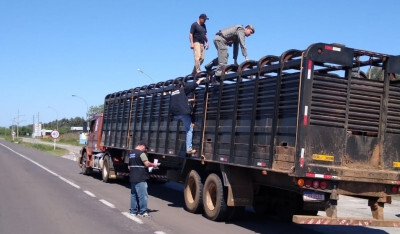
[{"x": 313, "y": 196}]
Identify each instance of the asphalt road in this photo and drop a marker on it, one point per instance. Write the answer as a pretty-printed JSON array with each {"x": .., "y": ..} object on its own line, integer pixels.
[{"x": 41, "y": 193}]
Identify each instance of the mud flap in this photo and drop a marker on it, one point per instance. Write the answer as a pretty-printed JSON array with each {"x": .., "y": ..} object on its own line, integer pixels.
[{"x": 239, "y": 184}]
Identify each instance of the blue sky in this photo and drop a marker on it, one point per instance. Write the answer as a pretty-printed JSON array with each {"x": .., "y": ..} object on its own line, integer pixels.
[{"x": 51, "y": 49}]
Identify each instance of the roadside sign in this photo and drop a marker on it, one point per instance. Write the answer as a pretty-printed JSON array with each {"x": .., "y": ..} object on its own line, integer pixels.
[
  {"x": 55, "y": 134},
  {"x": 13, "y": 133}
]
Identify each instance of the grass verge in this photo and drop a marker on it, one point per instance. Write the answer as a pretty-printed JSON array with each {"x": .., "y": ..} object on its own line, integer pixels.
[{"x": 41, "y": 147}]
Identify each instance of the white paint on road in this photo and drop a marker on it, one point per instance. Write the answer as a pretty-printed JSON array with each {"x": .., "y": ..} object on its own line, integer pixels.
[
  {"x": 126, "y": 214},
  {"x": 89, "y": 193},
  {"x": 107, "y": 203},
  {"x": 69, "y": 182},
  {"x": 132, "y": 217}
]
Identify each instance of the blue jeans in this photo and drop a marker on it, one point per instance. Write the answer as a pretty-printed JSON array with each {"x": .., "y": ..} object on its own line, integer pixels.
[
  {"x": 187, "y": 122},
  {"x": 139, "y": 198}
]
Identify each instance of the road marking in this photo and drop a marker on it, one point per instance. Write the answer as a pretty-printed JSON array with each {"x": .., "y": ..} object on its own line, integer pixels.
[
  {"x": 159, "y": 232},
  {"x": 89, "y": 193},
  {"x": 107, "y": 203},
  {"x": 132, "y": 217},
  {"x": 69, "y": 182},
  {"x": 128, "y": 215},
  {"x": 43, "y": 167}
]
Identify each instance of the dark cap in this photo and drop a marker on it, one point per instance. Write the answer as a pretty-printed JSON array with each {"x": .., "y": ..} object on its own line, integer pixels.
[
  {"x": 143, "y": 143},
  {"x": 203, "y": 16},
  {"x": 251, "y": 27}
]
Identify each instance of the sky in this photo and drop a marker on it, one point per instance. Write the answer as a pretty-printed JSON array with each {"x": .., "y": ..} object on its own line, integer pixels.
[{"x": 53, "y": 49}]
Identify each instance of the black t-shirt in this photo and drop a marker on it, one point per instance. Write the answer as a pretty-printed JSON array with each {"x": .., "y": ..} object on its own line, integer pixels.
[
  {"x": 199, "y": 32},
  {"x": 179, "y": 99}
]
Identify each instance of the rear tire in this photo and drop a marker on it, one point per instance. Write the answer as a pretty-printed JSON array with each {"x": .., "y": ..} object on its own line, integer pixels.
[
  {"x": 214, "y": 203},
  {"x": 105, "y": 171},
  {"x": 193, "y": 192},
  {"x": 85, "y": 170}
]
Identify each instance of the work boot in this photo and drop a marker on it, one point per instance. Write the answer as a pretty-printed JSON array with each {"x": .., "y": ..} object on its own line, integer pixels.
[{"x": 209, "y": 66}]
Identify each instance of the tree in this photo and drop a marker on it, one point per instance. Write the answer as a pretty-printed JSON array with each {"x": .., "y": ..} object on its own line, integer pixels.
[
  {"x": 375, "y": 73},
  {"x": 95, "y": 110}
]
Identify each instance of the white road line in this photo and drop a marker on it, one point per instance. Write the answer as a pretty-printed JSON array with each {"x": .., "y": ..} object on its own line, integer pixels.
[
  {"x": 128, "y": 215},
  {"x": 69, "y": 182},
  {"x": 43, "y": 167},
  {"x": 159, "y": 232},
  {"x": 132, "y": 217},
  {"x": 30, "y": 160},
  {"x": 107, "y": 203},
  {"x": 89, "y": 193}
]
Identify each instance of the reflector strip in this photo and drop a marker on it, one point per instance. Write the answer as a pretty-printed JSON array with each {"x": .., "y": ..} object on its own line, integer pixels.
[
  {"x": 396, "y": 164},
  {"x": 322, "y": 157},
  {"x": 333, "y": 48},
  {"x": 320, "y": 176},
  {"x": 305, "y": 117},
  {"x": 302, "y": 158},
  {"x": 223, "y": 159},
  {"x": 309, "y": 69},
  {"x": 261, "y": 164}
]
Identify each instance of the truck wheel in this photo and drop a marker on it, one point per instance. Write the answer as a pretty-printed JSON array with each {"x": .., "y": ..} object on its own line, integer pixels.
[
  {"x": 193, "y": 192},
  {"x": 105, "y": 171},
  {"x": 85, "y": 169},
  {"x": 213, "y": 198}
]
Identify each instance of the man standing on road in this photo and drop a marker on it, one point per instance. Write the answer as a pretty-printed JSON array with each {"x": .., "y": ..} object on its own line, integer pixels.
[
  {"x": 233, "y": 35},
  {"x": 181, "y": 108},
  {"x": 138, "y": 174},
  {"x": 198, "y": 41}
]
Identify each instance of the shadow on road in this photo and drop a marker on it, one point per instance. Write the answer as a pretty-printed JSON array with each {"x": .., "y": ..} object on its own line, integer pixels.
[{"x": 172, "y": 193}]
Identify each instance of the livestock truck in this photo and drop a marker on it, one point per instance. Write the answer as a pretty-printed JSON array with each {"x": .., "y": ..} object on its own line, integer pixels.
[{"x": 285, "y": 134}]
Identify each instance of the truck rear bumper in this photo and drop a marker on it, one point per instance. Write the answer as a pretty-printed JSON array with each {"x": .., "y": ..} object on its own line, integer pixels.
[{"x": 319, "y": 220}]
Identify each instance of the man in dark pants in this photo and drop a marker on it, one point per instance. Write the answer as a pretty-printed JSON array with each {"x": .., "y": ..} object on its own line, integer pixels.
[
  {"x": 138, "y": 174},
  {"x": 181, "y": 109},
  {"x": 233, "y": 35}
]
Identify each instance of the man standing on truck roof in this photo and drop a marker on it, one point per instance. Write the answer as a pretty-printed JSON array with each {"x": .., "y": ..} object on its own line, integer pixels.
[
  {"x": 233, "y": 35},
  {"x": 138, "y": 174},
  {"x": 182, "y": 109},
  {"x": 198, "y": 41}
]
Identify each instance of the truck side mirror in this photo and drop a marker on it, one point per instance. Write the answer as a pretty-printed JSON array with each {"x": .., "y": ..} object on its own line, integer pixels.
[{"x": 85, "y": 127}]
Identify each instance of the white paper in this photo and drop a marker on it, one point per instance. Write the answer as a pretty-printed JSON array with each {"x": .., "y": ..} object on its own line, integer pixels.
[{"x": 155, "y": 162}]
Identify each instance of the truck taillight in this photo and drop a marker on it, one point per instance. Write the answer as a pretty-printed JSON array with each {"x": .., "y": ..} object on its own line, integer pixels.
[
  {"x": 308, "y": 183},
  {"x": 323, "y": 185},
  {"x": 315, "y": 184},
  {"x": 300, "y": 182},
  {"x": 395, "y": 189}
]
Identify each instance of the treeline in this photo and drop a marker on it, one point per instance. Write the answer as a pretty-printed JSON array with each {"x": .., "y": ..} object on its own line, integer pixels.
[{"x": 64, "y": 126}]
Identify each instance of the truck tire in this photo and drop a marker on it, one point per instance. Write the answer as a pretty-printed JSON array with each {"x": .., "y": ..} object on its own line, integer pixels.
[
  {"x": 105, "y": 170},
  {"x": 214, "y": 203},
  {"x": 85, "y": 169},
  {"x": 193, "y": 192}
]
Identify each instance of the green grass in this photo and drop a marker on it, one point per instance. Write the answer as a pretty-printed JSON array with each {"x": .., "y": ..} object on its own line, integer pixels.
[
  {"x": 46, "y": 148},
  {"x": 66, "y": 138},
  {"x": 41, "y": 147}
]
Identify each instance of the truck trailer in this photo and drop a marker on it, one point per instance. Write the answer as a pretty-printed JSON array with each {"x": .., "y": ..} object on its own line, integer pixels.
[{"x": 285, "y": 134}]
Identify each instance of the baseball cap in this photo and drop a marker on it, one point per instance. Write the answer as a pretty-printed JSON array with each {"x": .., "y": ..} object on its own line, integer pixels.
[
  {"x": 251, "y": 27},
  {"x": 203, "y": 16},
  {"x": 143, "y": 143}
]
